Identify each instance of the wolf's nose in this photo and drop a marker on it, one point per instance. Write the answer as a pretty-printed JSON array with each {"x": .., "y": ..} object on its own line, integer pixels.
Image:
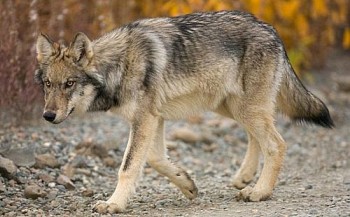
[{"x": 49, "y": 116}]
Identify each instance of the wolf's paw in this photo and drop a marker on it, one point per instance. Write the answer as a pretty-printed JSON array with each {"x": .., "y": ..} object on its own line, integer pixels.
[
  {"x": 191, "y": 192},
  {"x": 241, "y": 182},
  {"x": 251, "y": 194},
  {"x": 104, "y": 207}
]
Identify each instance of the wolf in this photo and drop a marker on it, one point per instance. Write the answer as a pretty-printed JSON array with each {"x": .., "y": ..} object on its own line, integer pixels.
[{"x": 152, "y": 70}]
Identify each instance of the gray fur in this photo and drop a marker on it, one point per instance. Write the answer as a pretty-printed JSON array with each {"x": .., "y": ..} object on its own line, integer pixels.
[{"x": 167, "y": 68}]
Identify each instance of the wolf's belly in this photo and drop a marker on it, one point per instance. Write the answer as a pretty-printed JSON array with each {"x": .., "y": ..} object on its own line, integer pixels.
[{"x": 190, "y": 104}]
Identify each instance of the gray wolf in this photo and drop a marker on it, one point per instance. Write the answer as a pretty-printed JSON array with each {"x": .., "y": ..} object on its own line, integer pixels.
[{"x": 151, "y": 70}]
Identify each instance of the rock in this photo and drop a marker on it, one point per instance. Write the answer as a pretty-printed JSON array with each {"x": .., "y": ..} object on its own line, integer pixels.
[
  {"x": 308, "y": 187},
  {"x": 346, "y": 179},
  {"x": 87, "y": 147},
  {"x": 46, "y": 177},
  {"x": 66, "y": 182},
  {"x": 148, "y": 170},
  {"x": 186, "y": 135},
  {"x": 46, "y": 160},
  {"x": 34, "y": 191},
  {"x": 52, "y": 194},
  {"x": 4, "y": 146},
  {"x": 99, "y": 150},
  {"x": 195, "y": 119},
  {"x": 171, "y": 145},
  {"x": 7, "y": 167},
  {"x": 343, "y": 83},
  {"x": 2, "y": 187},
  {"x": 111, "y": 144},
  {"x": 68, "y": 170},
  {"x": 83, "y": 171},
  {"x": 12, "y": 183},
  {"x": 21, "y": 156},
  {"x": 110, "y": 162},
  {"x": 79, "y": 162},
  {"x": 88, "y": 193},
  {"x": 210, "y": 148},
  {"x": 213, "y": 122}
]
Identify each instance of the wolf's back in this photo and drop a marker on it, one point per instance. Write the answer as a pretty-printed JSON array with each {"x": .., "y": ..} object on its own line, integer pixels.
[{"x": 298, "y": 103}]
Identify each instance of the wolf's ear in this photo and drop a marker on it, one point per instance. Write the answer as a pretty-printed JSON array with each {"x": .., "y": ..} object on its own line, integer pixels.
[
  {"x": 44, "y": 48},
  {"x": 81, "y": 49}
]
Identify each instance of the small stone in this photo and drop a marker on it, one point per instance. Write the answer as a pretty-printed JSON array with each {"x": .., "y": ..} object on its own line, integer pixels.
[
  {"x": 54, "y": 203},
  {"x": 110, "y": 162},
  {"x": 46, "y": 160},
  {"x": 171, "y": 145},
  {"x": 195, "y": 119},
  {"x": 99, "y": 150},
  {"x": 308, "y": 187},
  {"x": 83, "y": 171},
  {"x": 88, "y": 193},
  {"x": 186, "y": 135},
  {"x": 68, "y": 170},
  {"x": 346, "y": 179},
  {"x": 12, "y": 183},
  {"x": 61, "y": 188},
  {"x": 2, "y": 187},
  {"x": 148, "y": 170},
  {"x": 111, "y": 144},
  {"x": 343, "y": 83},
  {"x": 79, "y": 162},
  {"x": 7, "y": 167},
  {"x": 46, "y": 177},
  {"x": 33, "y": 191},
  {"x": 66, "y": 182},
  {"x": 88, "y": 147},
  {"x": 52, "y": 194},
  {"x": 210, "y": 148},
  {"x": 52, "y": 184},
  {"x": 47, "y": 144}
]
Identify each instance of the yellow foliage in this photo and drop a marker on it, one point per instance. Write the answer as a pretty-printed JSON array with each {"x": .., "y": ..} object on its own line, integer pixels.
[
  {"x": 346, "y": 38},
  {"x": 288, "y": 9},
  {"x": 319, "y": 8}
]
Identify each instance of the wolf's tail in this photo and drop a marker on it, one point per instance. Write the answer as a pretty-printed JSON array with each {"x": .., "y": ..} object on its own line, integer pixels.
[{"x": 298, "y": 103}]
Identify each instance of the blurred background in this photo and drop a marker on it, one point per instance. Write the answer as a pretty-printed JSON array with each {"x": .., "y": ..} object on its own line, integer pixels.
[{"x": 311, "y": 30}]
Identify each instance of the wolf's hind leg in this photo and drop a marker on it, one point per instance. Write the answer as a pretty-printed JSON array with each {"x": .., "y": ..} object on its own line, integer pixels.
[
  {"x": 261, "y": 127},
  {"x": 157, "y": 159},
  {"x": 248, "y": 169}
]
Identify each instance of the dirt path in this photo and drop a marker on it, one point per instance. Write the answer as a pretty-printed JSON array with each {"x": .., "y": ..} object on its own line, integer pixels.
[{"x": 315, "y": 180}]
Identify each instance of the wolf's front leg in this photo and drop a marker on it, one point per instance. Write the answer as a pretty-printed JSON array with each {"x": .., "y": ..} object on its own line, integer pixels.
[{"x": 142, "y": 134}]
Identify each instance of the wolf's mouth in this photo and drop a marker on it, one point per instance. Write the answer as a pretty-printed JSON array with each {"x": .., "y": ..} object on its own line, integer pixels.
[{"x": 59, "y": 121}]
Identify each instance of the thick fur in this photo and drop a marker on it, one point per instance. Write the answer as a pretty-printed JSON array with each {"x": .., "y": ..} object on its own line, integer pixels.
[{"x": 167, "y": 68}]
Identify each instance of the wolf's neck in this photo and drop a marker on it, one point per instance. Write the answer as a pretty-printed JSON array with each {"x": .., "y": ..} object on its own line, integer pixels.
[
  {"x": 104, "y": 100},
  {"x": 109, "y": 55},
  {"x": 111, "y": 46}
]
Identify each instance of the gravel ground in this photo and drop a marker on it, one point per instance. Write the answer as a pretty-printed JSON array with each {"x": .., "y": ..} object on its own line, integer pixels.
[{"x": 64, "y": 169}]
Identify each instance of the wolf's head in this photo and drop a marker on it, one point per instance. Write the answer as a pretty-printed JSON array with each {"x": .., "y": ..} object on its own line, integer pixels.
[{"x": 68, "y": 76}]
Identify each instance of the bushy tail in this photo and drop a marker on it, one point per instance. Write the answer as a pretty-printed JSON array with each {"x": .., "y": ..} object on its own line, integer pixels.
[{"x": 298, "y": 103}]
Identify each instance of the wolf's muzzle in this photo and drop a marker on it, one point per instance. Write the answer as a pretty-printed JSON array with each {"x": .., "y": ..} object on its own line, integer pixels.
[{"x": 49, "y": 116}]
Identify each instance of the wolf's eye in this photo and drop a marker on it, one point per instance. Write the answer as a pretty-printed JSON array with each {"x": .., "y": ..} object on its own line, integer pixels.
[
  {"x": 47, "y": 83},
  {"x": 70, "y": 83}
]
